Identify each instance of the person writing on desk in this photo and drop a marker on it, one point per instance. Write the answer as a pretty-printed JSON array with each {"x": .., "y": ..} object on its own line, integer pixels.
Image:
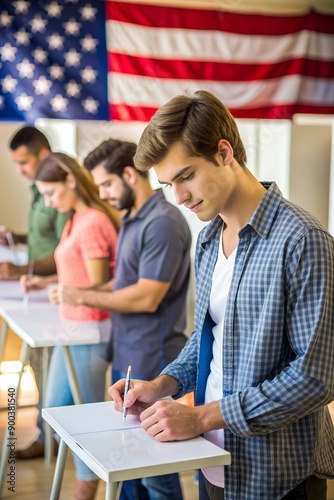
[
  {"x": 29, "y": 146},
  {"x": 148, "y": 295},
  {"x": 84, "y": 257},
  {"x": 261, "y": 356}
]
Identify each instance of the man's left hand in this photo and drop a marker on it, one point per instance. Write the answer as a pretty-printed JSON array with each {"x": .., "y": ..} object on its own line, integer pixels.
[{"x": 171, "y": 421}]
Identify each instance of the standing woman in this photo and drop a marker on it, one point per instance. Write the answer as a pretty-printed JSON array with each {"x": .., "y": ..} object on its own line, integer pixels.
[{"x": 85, "y": 257}]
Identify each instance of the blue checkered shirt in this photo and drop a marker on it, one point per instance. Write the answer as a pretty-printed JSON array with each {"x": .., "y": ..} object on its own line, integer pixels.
[{"x": 278, "y": 349}]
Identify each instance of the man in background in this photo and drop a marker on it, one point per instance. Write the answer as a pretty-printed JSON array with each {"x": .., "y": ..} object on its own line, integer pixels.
[
  {"x": 148, "y": 294},
  {"x": 29, "y": 146}
]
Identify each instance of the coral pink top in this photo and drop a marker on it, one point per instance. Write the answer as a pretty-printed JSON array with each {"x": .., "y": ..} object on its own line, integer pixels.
[{"x": 91, "y": 236}]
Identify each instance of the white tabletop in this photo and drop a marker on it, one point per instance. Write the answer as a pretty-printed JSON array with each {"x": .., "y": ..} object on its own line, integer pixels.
[
  {"x": 11, "y": 291},
  {"x": 117, "y": 452},
  {"x": 39, "y": 323},
  {"x": 17, "y": 255}
]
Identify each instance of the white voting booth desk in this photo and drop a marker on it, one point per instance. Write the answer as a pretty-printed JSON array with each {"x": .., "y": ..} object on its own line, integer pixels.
[
  {"x": 39, "y": 325},
  {"x": 117, "y": 452}
]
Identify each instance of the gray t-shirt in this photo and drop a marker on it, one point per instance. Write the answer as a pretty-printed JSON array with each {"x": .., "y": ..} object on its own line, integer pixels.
[{"x": 153, "y": 244}]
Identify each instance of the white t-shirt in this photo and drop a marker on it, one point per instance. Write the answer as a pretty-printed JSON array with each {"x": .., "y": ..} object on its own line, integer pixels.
[{"x": 221, "y": 281}]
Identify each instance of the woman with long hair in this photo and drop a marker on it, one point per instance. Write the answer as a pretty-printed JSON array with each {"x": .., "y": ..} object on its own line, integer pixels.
[{"x": 85, "y": 257}]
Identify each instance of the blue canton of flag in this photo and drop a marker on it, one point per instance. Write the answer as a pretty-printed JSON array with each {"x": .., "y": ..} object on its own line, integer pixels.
[{"x": 53, "y": 60}]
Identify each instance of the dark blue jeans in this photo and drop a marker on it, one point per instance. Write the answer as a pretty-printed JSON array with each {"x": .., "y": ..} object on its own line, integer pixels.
[
  {"x": 313, "y": 488},
  {"x": 166, "y": 487}
]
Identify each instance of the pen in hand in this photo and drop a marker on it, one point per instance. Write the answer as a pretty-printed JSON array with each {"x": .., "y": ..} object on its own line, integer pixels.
[
  {"x": 29, "y": 274},
  {"x": 127, "y": 387}
]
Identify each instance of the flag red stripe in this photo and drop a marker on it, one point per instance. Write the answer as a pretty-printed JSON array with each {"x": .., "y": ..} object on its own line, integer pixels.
[
  {"x": 216, "y": 19},
  {"x": 141, "y": 113},
  {"x": 216, "y": 71}
]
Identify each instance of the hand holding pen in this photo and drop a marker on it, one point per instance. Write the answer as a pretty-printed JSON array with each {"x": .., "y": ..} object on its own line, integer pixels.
[{"x": 127, "y": 387}]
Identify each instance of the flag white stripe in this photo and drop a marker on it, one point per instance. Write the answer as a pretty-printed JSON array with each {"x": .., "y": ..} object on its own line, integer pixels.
[
  {"x": 215, "y": 45},
  {"x": 154, "y": 92}
]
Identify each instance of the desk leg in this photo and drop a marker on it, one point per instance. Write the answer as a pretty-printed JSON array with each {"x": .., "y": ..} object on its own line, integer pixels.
[
  {"x": 48, "y": 431},
  {"x": 111, "y": 491},
  {"x": 5, "y": 448},
  {"x": 72, "y": 377},
  {"x": 59, "y": 471}
]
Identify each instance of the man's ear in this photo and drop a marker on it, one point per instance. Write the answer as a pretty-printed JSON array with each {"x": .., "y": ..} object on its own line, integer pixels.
[
  {"x": 43, "y": 152},
  {"x": 225, "y": 151},
  {"x": 130, "y": 175}
]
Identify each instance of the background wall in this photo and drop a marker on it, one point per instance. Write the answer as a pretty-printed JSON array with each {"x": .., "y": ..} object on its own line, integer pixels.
[{"x": 297, "y": 155}]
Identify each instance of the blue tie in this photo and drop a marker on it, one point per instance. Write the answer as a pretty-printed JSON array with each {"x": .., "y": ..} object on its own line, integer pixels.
[{"x": 205, "y": 357}]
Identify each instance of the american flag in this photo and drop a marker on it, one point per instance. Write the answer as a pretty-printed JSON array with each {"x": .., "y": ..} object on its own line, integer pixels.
[
  {"x": 121, "y": 61},
  {"x": 53, "y": 60},
  {"x": 260, "y": 66}
]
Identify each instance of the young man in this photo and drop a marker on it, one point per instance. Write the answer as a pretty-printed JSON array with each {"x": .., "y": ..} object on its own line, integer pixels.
[
  {"x": 29, "y": 146},
  {"x": 148, "y": 294},
  {"x": 261, "y": 356}
]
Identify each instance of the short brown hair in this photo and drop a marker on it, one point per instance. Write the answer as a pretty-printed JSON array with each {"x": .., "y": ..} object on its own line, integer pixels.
[
  {"x": 198, "y": 121},
  {"x": 30, "y": 137}
]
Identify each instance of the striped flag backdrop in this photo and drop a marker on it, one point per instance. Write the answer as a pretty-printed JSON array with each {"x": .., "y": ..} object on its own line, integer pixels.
[
  {"x": 117, "y": 60},
  {"x": 261, "y": 66}
]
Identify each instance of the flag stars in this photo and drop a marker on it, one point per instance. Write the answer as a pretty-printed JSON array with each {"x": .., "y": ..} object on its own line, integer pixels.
[
  {"x": 72, "y": 58},
  {"x": 73, "y": 89},
  {"x": 55, "y": 41},
  {"x": 48, "y": 59},
  {"x": 5, "y": 19},
  {"x": 22, "y": 37},
  {"x": 8, "y": 84},
  {"x": 42, "y": 86},
  {"x": 59, "y": 103},
  {"x": 88, "y": 13},
  {"x": 90, "y": 105},
  {"x": 25, "y": 68},
  {"x": 21, "y": 7},
  {"x": 56, "y": 72},
  {"x": 8, "y": 52},
  {"x": 53, "y": 9},
  {"x": 40, "y": 56},
  {"x": 38, "y": 24},
  {"x": 71, "y": 27},
  {"x": 88, "y": 75},
  {"x": 24, "y": 102},
  {"x": 89, "y": 43}
]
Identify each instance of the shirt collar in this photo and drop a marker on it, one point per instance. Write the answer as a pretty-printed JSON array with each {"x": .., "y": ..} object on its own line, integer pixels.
[
  {"x": 35, "y": 193},
  {"x": 148, "y": 206},
  {"x": 262, "y": 218},
  {"x": 265, "y": 213}
]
